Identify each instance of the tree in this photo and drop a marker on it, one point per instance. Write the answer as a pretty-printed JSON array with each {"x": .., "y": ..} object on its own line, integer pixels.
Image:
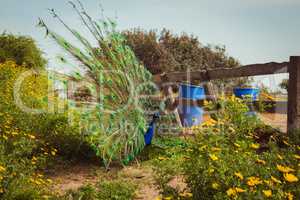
[
  {"x": 22, "y": 50},
  {"x": 167, "y": 52}
]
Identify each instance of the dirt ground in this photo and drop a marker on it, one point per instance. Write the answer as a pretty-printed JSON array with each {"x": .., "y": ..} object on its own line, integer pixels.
[
  {"x": 275, "y": 120},
  {"x": 74, "y": 176}
]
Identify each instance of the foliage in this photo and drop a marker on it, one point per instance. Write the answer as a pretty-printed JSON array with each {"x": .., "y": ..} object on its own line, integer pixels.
[
  {"x": 114, "y": 190},
  {"x": 241, "y": 162},
  {"x": 166, "y": 52},
  {"x": 117, "y": 123},
  {"x": 166, "y": 156},
  {"x": 22, "y": 50},
  {"x": 22, "y": 151}
]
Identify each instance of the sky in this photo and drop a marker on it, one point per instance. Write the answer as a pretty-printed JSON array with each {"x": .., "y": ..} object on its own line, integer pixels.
[{"x": 253, "y": 31}]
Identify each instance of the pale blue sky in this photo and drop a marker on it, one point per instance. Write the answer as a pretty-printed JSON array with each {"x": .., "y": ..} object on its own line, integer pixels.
[{"x": 253, "y": 31}]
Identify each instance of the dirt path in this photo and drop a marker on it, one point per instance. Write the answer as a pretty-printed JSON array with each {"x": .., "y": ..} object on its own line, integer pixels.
[{"x": 72, "y": 177}]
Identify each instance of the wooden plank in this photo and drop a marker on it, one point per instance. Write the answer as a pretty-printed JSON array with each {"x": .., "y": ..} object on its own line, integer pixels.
[
  {"x": 294, "y": 94},
  {"x": 224, "y": 73}
]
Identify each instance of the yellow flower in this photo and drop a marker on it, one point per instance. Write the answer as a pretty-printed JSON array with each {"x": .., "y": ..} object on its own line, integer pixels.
[
  {"x": 2, "y": 169},
  {"x": 280, "y": 157},
  {"x": 253, "y": 181},
  {"x": 286, "y": 143},
  {"x": 290, "y": 196},
  {"x": 53, "y": 153},
  {"x": 231, "y": 130},
  {"x": 31, "y": 136},
  {"x": 186, "y": 194},
  {"x": 14, "y": 133},
  {"x": 49, "y": 180},
  {"x": 275, "y": 180},
  {"x": 215, "y": 149},
  {"x": 162, "y": 158},
  {"x": 284, "y": 169},
  {"x": 261, "y": 161},
  {"x": 239, "y": 190},
  {"x": 236, "y": 145},
  {"x": 168, "y": 198},
  {"x": 290, "y": 177},
  {"x": 213, "y": 157},
  {"x": 267, "y": 182},
  {"x": 205, "y": 103},
  {"x": 211, "y": 171},
  {"x": 267, "y": 193},
  {"x": 254, "y": 146},
  {"x": 239, "y": 175},
  {"x": 215, "y": 186},
  {"x": 231, "y": 192},
  {"x": 297, "y": 157}
]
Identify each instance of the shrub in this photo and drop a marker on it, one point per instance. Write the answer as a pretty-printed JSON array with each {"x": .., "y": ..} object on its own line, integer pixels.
[
  {"x": 166, "y": 52},
  {"x": 114, "y": 190},
  {"x": 22, "y": 50},
  {"x": 232, "y": 163},
  {"x": 29, "y": 142}
]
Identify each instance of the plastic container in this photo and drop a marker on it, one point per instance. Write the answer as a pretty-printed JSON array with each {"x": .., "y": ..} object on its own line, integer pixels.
[
  {"x": 247, "y": 93},
  {"x": 190, "y": 115},
  {"x": 191, "y": 92},
  {"x": 244, "y": 92}
]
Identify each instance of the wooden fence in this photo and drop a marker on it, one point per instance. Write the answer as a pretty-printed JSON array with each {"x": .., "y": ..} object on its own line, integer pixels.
[{"x": 292, "y": 67}]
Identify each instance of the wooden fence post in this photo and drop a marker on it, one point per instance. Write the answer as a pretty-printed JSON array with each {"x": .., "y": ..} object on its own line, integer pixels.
[{"x": 294, "y": 93}]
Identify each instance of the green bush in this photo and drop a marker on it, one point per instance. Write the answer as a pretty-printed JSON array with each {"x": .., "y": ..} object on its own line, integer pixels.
[
  {"x": 29, "y": 142},
  {"x": 22, "y": 50},
  {"x": 113, "y": 190},
  {"x": 244, "y": 161}
]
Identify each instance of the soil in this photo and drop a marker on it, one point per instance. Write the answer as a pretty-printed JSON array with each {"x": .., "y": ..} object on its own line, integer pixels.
[
  {"x": 275, "y": 120},
  {"x": 72, "y": 177}
]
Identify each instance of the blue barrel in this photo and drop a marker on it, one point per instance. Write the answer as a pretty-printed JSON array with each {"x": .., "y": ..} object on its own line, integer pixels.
[
  {"x": 247, "y": 93},
  {"x": 190, "y": 115}
]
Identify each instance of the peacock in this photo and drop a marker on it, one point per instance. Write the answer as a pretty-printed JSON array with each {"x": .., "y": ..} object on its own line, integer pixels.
[{"x": 118, "y": 121}]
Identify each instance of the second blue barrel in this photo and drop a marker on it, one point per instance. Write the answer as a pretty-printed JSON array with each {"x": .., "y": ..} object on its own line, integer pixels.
[
  {"x": 190, "y": 115},
  {"x": 251, "y": 93}
]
